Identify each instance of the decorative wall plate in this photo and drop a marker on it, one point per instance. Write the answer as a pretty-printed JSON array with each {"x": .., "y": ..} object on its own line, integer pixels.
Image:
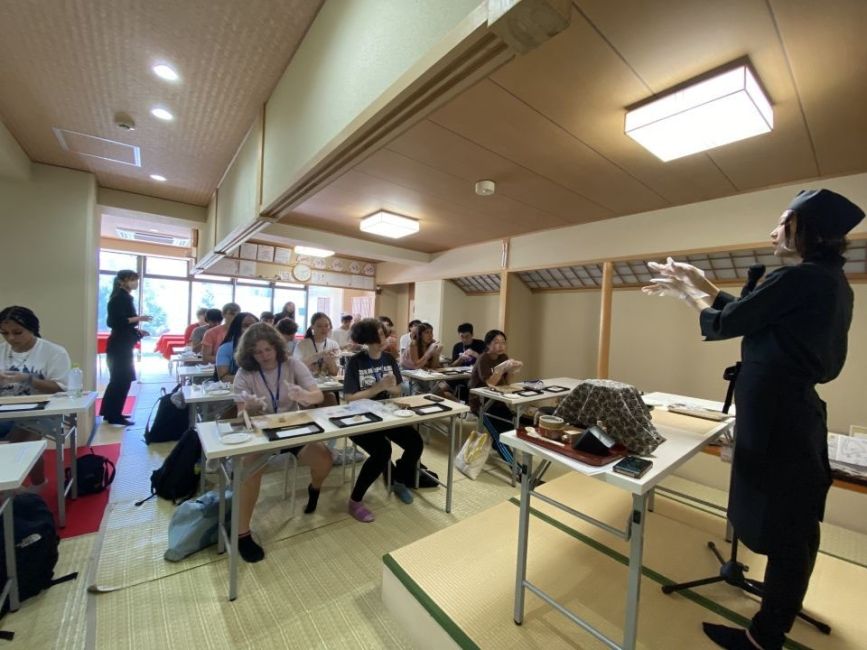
[
  {"x": 302, "y": 272},
  {"x": 354, "y": 267},
  {"x": 336, "y": 264},
  {"x": 369, "y": 269},
  {"x": 319, "y": 262}
]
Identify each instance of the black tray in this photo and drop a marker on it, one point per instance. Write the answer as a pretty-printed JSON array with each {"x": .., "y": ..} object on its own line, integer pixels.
[
  {"x": 430, "y": 409},
  {"x": 556, "y": 389},
  {"x": 292, "y": 430},
  {"x": 23, "y": 406},
  {"x": 342, "y": 420}
]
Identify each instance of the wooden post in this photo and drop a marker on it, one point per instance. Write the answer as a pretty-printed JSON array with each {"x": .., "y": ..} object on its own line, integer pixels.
[
  {"x": 605, "y": 320},
  {"x": 504, "y": 300}
]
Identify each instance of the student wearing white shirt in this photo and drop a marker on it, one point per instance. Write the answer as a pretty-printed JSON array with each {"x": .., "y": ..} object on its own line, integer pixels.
[
  {"x": 341, "y": 334},
  {"x": 29, "y": 365},
  {"x": 406, "y": 339},
  {"x": 319, "y": 352}
]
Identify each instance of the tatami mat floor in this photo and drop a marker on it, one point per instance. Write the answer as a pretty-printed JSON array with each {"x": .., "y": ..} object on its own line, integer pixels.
[{"x": 319, "y": 585}]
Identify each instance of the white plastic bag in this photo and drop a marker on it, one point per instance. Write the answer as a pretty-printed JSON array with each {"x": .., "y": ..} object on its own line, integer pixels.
[{"x": 474, "y": 454}]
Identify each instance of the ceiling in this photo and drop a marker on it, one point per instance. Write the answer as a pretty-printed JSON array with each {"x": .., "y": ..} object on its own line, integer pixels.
[
  {"x": 74, "y": 64},
  {"x": 548, "y": 126}
]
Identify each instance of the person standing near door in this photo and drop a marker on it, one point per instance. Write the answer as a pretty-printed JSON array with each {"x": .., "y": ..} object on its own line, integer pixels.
[{"x": 123, "y": 321}]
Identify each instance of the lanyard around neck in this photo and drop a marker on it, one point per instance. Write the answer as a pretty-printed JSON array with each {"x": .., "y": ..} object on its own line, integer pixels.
[{"x": 275, "y": 399}]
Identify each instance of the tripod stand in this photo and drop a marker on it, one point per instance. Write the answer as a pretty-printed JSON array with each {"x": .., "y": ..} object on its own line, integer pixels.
[{"x": 732, "y": 571}]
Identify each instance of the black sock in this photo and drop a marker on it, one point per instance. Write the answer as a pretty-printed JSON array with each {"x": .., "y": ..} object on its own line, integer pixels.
[
  {"x": 312, "y": 499},
  {"x": 249, "y": 549},
  {"x": 731, "y": 638}
]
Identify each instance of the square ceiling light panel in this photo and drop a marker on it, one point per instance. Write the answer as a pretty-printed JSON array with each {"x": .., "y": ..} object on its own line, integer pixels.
[{"x": 95, "y": 147}]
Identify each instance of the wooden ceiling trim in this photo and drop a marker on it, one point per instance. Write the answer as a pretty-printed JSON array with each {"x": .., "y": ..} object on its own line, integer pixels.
[{"x": 418, "y": 92}]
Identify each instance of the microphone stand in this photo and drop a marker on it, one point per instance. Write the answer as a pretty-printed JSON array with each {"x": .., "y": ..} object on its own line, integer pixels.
[{"x": 732, "y": 571}]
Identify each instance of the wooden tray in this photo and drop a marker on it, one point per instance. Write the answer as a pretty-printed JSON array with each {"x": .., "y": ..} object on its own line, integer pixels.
[
  {"x": 616, "y": 452},
  {"x": 25, "y": 399}
]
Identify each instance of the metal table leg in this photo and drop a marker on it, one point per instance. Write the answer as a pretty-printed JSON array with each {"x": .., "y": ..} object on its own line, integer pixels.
[
  {"x": 237, "y": 483},
  {"x": 59, "y": 462},
  {"x": 9, "y": 541},
  {"x": 636, "y": 549},
  {"x": 523, "y": 534},
  {"x": 451, "y": 469},
  {"x": 73, "y": 445}
]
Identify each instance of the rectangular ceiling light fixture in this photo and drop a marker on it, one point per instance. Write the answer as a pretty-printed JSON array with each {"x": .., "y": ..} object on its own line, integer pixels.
[
  {"x": 390, "y": 225},
  {"x": 724, "y": 108},
  {"x": 313, "y": 252}
]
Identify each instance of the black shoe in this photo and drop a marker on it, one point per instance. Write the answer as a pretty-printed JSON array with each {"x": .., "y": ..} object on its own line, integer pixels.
[
  {"x": 425, "y": 481},
  {"x": 122, "y": 421}
]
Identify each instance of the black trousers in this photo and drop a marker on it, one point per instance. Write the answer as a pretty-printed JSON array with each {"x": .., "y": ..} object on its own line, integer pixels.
[
  {"x": 121, "y": 375},
  {"x": 787, "y": 575},
  {"x": 378, "y": 445}
]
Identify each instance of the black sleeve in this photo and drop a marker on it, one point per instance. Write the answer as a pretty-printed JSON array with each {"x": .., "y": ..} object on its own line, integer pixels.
[
  {"x": 350, "y": 378},
  {"x": 395, "y": 369},
  {"x": 456, "y": 351},
  {"x": 772, "y": 300},
  {"x": 478, "y": 345}
]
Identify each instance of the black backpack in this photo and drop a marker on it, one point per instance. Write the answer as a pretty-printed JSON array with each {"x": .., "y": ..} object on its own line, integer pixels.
[
  {"x": 95, "y": 473},
  {"x": 178, "y": 479},
  {"x": 36, "y": 542},
  {"x": 170, "y": 421}
]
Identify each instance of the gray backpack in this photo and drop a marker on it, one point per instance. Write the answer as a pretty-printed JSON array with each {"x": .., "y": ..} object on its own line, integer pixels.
[{"x": 194, "y": 525}]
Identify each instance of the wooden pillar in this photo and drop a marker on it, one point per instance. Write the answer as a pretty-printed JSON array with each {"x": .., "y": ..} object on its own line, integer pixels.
[
  {"x": 605, "y": 320},
  {"x": 504, "y": 300}
]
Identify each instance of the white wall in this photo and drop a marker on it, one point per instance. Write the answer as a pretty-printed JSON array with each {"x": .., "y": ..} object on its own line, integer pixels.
[
  {"x": 428, "y": 304},
  {"x": 50, "y": 248},
  {"x": 458, "y": 307}
]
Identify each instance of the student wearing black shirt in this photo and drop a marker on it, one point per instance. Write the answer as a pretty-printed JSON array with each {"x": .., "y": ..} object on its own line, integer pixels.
[
  {"x": 468, "y": 349},
  {"x": 794, "y": 328},
  {"x": 374, "y": 374},
  {"x": 123, "y": 321}
]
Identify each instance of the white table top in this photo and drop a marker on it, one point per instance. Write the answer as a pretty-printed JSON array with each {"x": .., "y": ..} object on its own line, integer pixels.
[
  {"x": 511, "y": 398},
  {"x": 196, "y": 370},
  {"x": 438, "y": 375},
  {"x": 58, "y": 405},
  {"x": 180, "y": 358},
  {"x": 330, "y": 384},
  {"x": 214, "y": 448},
  {"x": 196, "y": 394},
  {"x": 680, "y": 445},
  {"x": 667, "y": 399},
  {"x": 16, "y": 461}
]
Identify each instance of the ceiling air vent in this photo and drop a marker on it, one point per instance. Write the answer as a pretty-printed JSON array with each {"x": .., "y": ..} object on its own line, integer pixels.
[{"x": 153, "y": 238}]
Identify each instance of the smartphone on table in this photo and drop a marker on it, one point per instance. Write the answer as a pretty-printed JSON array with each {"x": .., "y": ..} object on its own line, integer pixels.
[{"x": 633, "y": 466}]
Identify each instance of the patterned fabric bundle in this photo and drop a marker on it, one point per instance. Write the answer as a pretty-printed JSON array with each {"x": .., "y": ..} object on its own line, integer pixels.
[{"x": 619, "y": 409}]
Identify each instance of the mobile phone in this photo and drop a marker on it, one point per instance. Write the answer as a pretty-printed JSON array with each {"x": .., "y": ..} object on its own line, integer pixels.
[
  {"x": 433, "y": 398},
  {"x": 633, "y": 466}
]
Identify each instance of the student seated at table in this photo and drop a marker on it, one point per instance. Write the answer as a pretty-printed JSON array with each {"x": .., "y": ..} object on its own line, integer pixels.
[
  {"x": 466, "y": 351},
  {"x": 374, "y": 374},
  {"x": 226, "y": 367},
  {"x": 319, "y": 352},
  {"x": 192, "y": 327},
  {"x": 29, "y": 365},
  {"x": 341, "y": 334},
  {"x": 423, "y": 353},
  {"x": 392, "y": 345},
  {"x": 406, "y": 338},
  {"x": 270, "y": 381},
  {"x": 495, "y": 368},
  {"x": 288, "y": 328},
  {"x": 213, "y": 318},
  {"x": 267, "y": 317},
  {"x": 214, "y": 337}
]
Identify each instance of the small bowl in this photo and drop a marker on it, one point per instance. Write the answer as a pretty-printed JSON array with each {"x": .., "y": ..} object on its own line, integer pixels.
[{"x": 552, "y": 422}]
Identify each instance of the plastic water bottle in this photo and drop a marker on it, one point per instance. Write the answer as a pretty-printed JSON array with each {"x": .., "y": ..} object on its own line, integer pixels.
[{"x": 75, "y": 381}]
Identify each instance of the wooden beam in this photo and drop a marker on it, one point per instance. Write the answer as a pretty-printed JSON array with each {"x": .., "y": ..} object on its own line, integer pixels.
[
  {"x": 504, "y": 300},
  {"x": 605, "y": 320}
]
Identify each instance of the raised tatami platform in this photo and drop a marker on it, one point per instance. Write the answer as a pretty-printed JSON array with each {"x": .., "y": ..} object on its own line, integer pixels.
[{"x": 455, "y": 588}]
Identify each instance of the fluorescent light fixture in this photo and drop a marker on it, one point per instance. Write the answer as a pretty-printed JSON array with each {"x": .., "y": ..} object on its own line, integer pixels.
[
  {"x": 162, "y": 114},
  {"x": 712, "y": 112},
  {"x": 313, "y": 252},
  {"x": 388, "y": 224},
  {"x": 157, "y": 177},
  {"x": 164, "y": 71}
]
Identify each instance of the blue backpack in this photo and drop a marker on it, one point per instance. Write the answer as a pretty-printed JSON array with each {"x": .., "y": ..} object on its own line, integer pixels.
[{"x": 194, "y": 525}]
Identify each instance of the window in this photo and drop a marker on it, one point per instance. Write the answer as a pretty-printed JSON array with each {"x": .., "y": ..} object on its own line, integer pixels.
[
  {"x": 167, "y": 266},
  {"x": 115, "y": 262},
  {"x": 210, "y": 295},
  {"x": 167, "y": 302},
  {"x": 283, "y": 294},
  {"x": 106, "y": 284},
  {"x": 253, "y": 299}
]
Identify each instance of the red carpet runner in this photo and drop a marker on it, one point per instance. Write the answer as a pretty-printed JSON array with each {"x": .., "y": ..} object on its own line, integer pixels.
[
  {"x": 84, "y": 514},
  {"x": 128, "y": 406}
]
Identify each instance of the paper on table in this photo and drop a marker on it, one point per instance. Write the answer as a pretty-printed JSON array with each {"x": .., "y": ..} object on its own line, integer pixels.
[
  {"x": 846, "y": 449},
  {"x": 19, "y": 407}
]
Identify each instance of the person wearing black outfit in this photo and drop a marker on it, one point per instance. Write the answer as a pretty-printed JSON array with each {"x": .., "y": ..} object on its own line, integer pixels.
[
  {"x": 374, "y": 374},
  {"x": 794, "y": 327},
  {"x": 123, "y": 321},
  {"x": 468, "y": 349}
]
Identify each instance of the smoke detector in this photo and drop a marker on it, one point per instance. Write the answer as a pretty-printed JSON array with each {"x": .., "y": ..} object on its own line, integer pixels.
[
  {"x": 485, "y": 188},
  {"x": 124, "y": 121}
]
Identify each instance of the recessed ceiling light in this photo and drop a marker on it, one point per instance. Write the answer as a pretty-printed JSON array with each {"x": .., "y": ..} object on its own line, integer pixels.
[
  {"x": 724, "y": 108},
  {"x": 389, "y": 224},
  {"x": 157, "y": 177},
  {"x": 166, "y": 72},
  {"x": 162, "y": 114},
  {"x": 313, "y": 252}
]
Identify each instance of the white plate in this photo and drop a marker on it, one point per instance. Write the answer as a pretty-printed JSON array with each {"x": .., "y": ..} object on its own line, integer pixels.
[
  {"x": 219, "y": 391},
  {"x": 404, "y": 413},
  {"x": 236, "y": 438}
]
